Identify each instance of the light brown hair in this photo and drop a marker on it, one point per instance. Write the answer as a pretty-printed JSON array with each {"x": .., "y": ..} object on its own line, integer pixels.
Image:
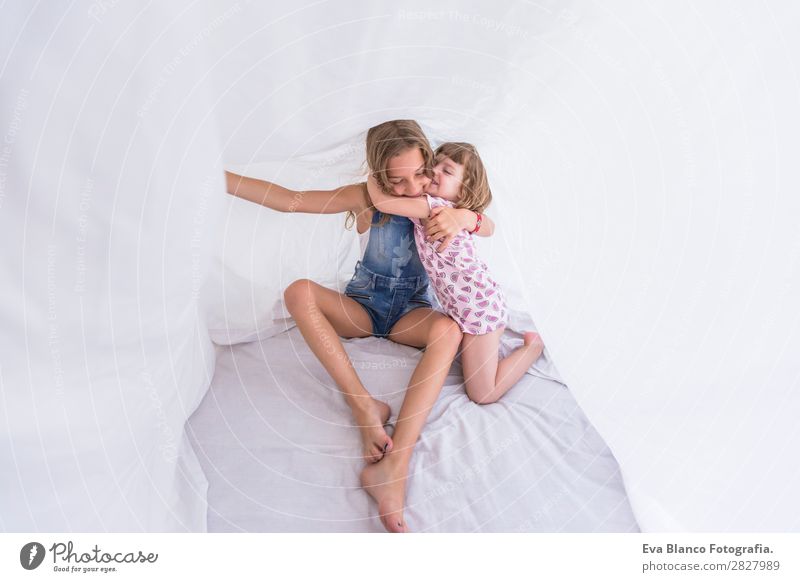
[
  {"x": 475, "y": 192},
  {"x": 385, "y": 141}
]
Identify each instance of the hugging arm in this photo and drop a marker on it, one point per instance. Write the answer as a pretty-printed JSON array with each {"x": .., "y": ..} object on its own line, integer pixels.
[
  {"x": 398, "y": 205},
  {"x": 446, "y": 221},
  {"x": 284, "y": 200}
]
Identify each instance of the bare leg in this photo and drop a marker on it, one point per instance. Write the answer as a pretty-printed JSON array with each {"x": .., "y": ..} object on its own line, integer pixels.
[
  {"x": 487, "y": 378},
  {"x": 386, "y": 481},
  {"x": 322, "y": 315}
]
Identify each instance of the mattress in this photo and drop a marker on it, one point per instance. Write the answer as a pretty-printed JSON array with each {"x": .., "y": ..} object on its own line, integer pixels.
[{"x": 281, "y": 454}]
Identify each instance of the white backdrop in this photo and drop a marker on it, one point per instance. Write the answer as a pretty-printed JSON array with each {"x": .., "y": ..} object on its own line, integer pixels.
[
  {"x": 110, "y": 186},
  {"x": 642, "y": 158}
]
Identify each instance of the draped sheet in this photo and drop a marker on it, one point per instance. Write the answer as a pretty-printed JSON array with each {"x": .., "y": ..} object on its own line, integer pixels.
[
  {"x": 111, "y": 182},
  {"x": 641, "y": 155}
]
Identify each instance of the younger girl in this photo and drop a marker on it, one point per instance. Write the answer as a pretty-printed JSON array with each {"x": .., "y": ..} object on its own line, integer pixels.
[{"x": 462, "y": 282}]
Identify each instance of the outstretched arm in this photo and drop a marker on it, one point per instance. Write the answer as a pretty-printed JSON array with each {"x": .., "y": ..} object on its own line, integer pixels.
[
  {"x": 398, "y": 205},
  {"x": 284, "y": 200}
]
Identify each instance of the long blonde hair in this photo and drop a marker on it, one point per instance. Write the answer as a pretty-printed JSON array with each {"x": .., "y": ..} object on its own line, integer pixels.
[
  {"x": 475, "y": 192},
  {"x": 385, "y": 141}
]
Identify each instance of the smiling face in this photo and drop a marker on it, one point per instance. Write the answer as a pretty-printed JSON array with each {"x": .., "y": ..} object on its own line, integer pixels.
[
  {"x": 406, "y": 173},
  {"x": 448, "y": 177}
]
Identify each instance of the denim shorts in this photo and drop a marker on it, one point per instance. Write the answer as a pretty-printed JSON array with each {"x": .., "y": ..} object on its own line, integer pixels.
[{"x": 387, "y": 299}]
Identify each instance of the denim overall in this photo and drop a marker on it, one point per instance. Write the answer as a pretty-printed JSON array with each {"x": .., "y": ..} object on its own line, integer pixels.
[{"x": 390, "y": 280}]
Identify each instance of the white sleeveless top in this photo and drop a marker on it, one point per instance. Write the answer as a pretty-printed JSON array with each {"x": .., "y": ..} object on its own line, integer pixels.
[{"x": 363, "y": 239}]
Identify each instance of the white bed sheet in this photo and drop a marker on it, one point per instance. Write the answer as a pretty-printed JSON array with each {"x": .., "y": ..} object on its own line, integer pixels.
[{"x": 276, "y": 442}]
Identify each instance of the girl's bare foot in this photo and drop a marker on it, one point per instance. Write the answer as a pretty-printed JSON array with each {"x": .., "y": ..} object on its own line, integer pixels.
[
  {"x": 386, "y": 483},
  {"x": 370, "y": 420},
  {"x": 533, "y": 341}
]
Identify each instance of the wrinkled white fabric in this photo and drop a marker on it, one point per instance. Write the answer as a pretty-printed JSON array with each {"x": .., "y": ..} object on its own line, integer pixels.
[
  {"x": 641, "y": 158},
  {"x": 110, "y": 192},
  {"x": 277, "y": 442}
]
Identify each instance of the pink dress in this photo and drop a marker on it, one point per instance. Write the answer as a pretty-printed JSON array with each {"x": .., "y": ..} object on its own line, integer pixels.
[{"x": 463, "y": 285}]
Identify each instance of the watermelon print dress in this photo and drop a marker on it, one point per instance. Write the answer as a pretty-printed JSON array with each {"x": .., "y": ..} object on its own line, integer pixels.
[{"x": 461, "y": 281}]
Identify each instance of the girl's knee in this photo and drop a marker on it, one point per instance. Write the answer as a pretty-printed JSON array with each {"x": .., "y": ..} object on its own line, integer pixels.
[
  {"x": 480, "y": 396},
  {"x": 298, "y": 294},
  {"x": 445, "y": 330}
]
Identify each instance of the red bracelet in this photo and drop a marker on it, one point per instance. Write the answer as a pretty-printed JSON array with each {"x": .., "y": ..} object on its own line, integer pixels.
[{"x": 477, "y": 223}]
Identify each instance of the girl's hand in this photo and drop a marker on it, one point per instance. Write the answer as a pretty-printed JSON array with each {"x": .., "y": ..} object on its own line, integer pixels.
[{"x": 445, "y": 223}]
